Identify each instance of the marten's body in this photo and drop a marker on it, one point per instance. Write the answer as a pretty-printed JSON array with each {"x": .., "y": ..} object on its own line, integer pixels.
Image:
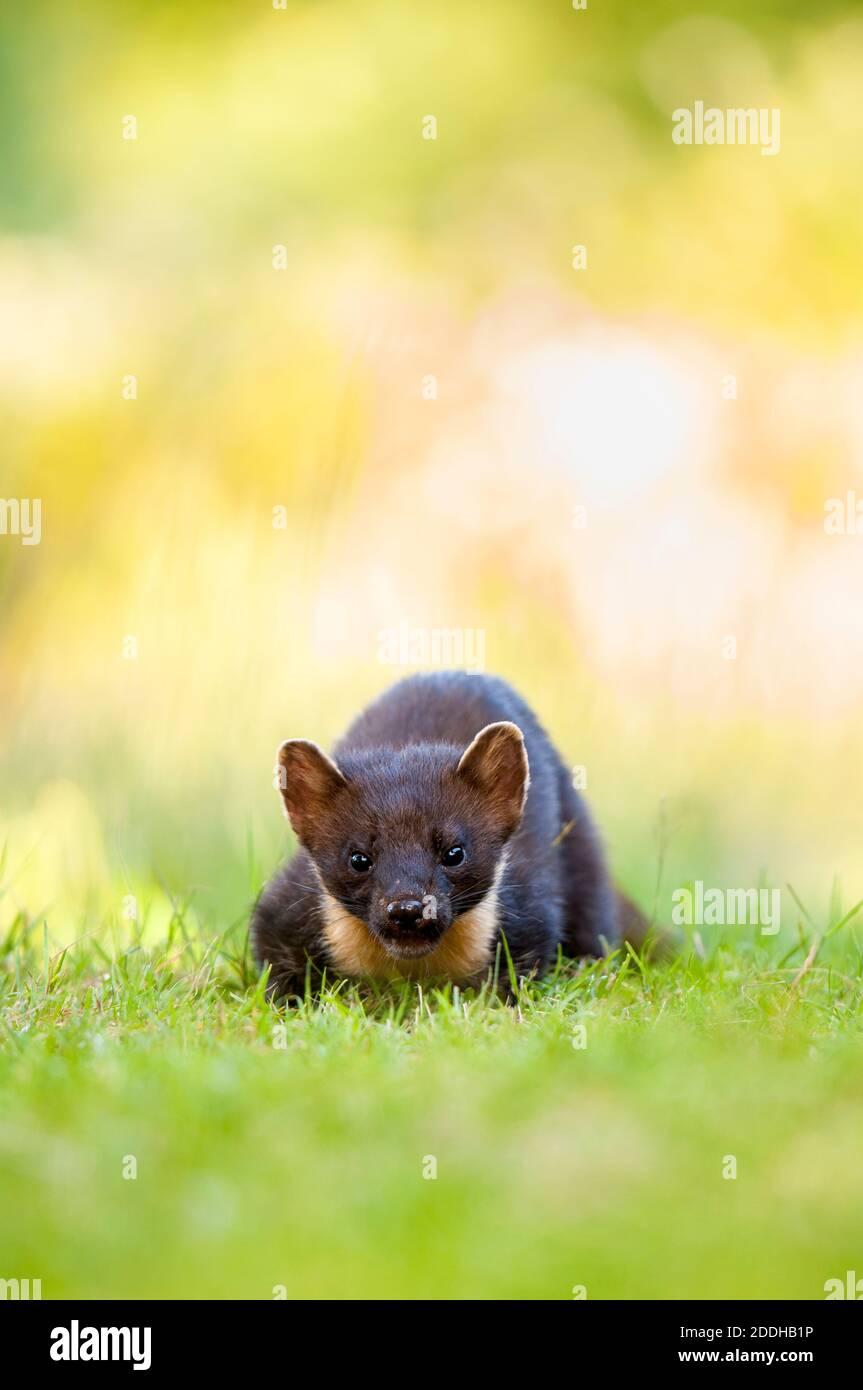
[{"x": 445, "y": 821}]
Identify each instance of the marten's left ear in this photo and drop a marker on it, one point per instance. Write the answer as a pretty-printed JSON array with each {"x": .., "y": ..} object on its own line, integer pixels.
[{"x": 496, "y": 765}]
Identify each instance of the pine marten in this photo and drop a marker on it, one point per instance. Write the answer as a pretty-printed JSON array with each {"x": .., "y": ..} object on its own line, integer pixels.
[{"x": 444, "y": 821}]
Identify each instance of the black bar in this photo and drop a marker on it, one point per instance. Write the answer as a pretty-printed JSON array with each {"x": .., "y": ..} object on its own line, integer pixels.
[{"x": 233, "y": 1337}]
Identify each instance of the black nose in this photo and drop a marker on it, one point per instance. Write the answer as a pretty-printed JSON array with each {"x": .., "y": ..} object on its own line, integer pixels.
[{"x": 405, "y": 912}]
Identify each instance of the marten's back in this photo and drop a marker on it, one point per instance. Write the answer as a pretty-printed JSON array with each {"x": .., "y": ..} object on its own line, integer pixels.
[{"x": 451, "y": 707}]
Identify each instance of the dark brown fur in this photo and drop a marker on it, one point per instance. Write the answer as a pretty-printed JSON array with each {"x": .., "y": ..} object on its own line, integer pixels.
[{"x": 409, "y": 779}]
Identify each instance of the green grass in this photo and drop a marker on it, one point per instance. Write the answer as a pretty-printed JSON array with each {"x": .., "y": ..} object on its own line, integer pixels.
[{"x": 288, "y": 1148}]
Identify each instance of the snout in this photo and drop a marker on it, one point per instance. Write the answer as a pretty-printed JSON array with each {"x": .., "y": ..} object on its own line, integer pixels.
[
  {"x": 410, "y": 925},
  {"x": 405, "y": 912}
]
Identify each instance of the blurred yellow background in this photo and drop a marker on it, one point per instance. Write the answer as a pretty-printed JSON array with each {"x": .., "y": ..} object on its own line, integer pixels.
[{"x": 373, "y": 393}]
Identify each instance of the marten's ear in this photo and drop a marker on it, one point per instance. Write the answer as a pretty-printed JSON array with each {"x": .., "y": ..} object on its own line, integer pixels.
[
  {"x": 309, "y": 781},
  {"x": 496, "y": 765}
]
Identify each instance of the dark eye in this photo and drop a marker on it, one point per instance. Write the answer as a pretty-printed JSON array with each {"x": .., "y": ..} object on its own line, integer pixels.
[
  {"x": 453, "y": 856},
  {"x": 361, "y": 863}
]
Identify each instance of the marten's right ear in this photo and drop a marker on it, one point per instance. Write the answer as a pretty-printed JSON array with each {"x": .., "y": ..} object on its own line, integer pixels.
[
  {"x": 496, "y": 765},
  {"x": 308, "y": 781}
]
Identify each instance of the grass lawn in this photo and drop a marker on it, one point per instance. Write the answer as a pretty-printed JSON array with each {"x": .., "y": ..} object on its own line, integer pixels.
[{"x": 579, "y": 1139}]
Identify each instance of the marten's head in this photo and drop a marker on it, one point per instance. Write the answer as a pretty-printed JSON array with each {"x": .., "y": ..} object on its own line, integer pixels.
[{"x": 406, "y": 841}]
